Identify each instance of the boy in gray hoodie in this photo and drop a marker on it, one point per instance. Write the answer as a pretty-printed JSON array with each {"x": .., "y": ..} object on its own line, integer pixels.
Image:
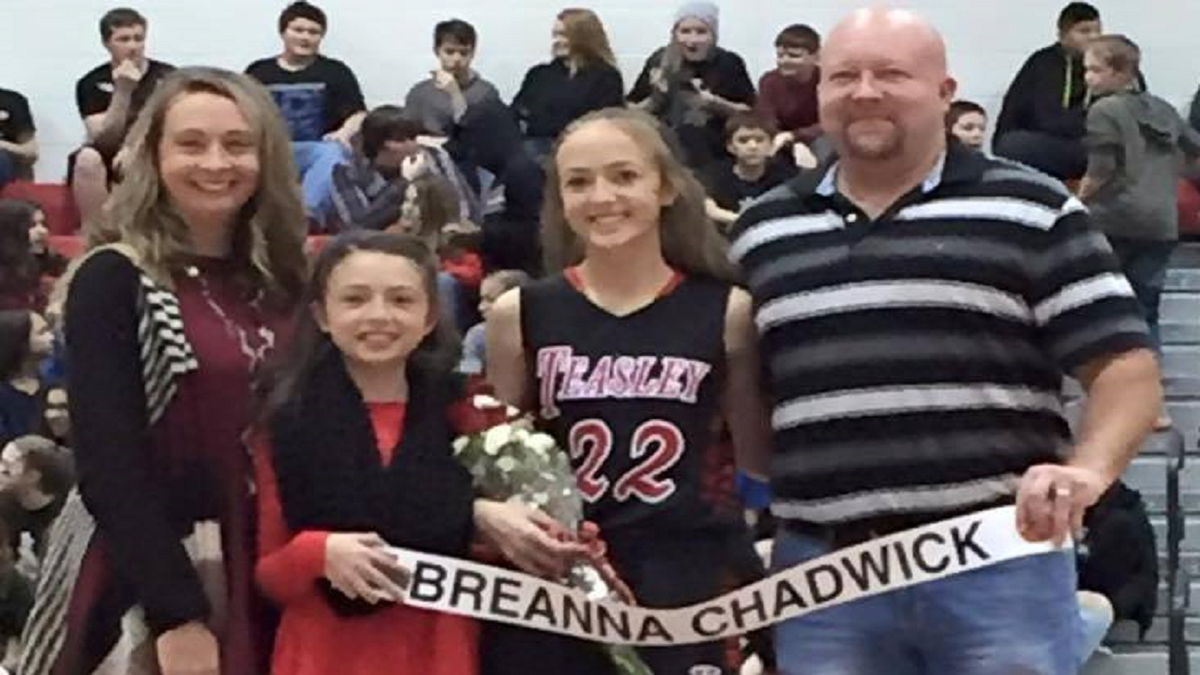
[{"x": 1135, "y": 141}]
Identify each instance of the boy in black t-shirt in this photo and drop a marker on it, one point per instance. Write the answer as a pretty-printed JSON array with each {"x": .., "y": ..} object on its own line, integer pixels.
[
  {"x": 319, "y": 98},
  {"x": 18, "y": 145},
  {"x": 109, "y": 98},
  {"x": 35, "y": 477},
  {"x": 732, "y": 184}
]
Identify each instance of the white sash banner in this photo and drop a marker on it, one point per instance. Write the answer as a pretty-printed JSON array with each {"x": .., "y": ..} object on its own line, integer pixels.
[{"x": 896, "y": 561}]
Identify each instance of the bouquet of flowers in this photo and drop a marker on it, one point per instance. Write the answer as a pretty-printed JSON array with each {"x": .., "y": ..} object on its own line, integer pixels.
[{"x": 510, "y": 460}]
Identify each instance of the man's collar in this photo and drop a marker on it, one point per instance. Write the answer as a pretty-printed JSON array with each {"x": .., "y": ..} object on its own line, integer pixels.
[{"x": 956, "y": 164}]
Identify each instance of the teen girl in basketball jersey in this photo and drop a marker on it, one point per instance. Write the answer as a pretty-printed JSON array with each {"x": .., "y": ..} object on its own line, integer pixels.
[{"x": 631, "y": 355}]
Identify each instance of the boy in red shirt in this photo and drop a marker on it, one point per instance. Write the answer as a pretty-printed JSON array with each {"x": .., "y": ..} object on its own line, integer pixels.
[{"x": 787, "y": 96}]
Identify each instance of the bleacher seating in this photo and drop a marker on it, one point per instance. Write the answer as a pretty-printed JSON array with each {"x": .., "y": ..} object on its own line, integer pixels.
[
  {"x": 62, "y": 218},
  {"x": 1150, "y": 473}
]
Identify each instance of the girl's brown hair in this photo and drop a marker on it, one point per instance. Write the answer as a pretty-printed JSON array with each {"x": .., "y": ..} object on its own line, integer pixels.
[
  {"x": 587, "y": 38},
  {"x": 19, "y": 270},
  {"x": 690, "y": 241},
  {"x": 438, "y": 205},
  {"x": 439, "y": 350},
  {"x": 268, "y": 240}
]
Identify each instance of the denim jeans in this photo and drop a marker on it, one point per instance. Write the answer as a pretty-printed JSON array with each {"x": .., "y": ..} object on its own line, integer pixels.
[
  {"x": 8, "y": 168},
  {"x": 1144, "y": 262},
  {"x": 1014, "y": 618},
  {"x": 1096, "y": 613},
  {"x": 315, "y": 161}
]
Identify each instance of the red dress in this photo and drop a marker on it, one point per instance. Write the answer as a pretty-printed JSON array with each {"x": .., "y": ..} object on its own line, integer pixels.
[{"x": 313, "y": 639}]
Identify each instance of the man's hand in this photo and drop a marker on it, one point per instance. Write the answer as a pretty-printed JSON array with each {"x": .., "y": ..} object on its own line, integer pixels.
[
  {"x": 445, "y": 80},
  {"x": 126, "y": 76},
  {"x": 1052, "y": 500}
]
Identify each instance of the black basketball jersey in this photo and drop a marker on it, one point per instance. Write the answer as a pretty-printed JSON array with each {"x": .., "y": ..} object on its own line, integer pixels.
[{"x": 632, "y": 399}]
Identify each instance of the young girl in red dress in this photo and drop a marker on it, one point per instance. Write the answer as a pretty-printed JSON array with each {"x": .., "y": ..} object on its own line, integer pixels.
[{"x": 355, "y": 456}]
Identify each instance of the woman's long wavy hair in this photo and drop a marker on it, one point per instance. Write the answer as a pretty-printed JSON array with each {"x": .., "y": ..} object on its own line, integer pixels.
[
  {"x": 690, "y": 241},
  {"x": 19, "y": 269},
  {"x": 269, "y": 237},
  {"x": 438, "y": 353},
  {"x": 587, "y": 38}
]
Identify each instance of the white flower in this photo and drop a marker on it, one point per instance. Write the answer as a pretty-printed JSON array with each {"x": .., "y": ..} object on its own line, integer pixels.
[
  {"x": 460, "y": 444},
  {"x": 521, "y": 436},
  {"x": 541, "y": 443},
  {"x": 484, "y": 402},
  {"x": 496, "y": 438},
  {"x": 506, "y": 464}
]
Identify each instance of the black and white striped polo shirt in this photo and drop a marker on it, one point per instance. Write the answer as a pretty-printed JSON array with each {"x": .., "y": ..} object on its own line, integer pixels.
[{"x": 915, "y": 361}]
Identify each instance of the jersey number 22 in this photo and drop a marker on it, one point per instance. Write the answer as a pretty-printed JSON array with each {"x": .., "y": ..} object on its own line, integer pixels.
[{"x": 657, "y": 443}]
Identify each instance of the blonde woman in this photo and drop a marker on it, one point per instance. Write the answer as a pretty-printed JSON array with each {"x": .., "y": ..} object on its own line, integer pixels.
[
  {"x": 582, "y": 77},
  {"x": 165, "y": 332}
]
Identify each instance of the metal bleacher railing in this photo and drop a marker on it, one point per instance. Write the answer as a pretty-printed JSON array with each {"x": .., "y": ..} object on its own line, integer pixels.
[{"x": 1178, "y": 582}]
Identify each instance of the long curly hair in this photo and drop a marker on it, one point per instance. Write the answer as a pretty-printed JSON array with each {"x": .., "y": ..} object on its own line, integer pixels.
[
  {"x": 19, "y": 268},
  {"x": 269, "y": 238},
  {"x": 690, "y": 241}
]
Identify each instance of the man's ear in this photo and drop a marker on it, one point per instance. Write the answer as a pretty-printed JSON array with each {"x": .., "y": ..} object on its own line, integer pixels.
[{"x": 948, "y": 89}]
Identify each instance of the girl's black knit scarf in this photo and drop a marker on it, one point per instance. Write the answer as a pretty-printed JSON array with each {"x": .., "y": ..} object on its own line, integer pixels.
[{"x": 331, "y": 476}]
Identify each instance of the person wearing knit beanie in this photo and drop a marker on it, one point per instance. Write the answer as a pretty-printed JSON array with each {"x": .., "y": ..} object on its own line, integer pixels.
[
  {"x": 695, "y": 29},
  {"x": 693, "y": 85}
]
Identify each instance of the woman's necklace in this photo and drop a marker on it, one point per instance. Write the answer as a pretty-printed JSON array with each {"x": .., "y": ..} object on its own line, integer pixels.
[{"x": 255, "y": 355}]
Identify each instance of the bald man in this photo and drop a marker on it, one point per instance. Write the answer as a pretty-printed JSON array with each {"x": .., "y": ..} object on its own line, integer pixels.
[{"x": 918, "y": 305}]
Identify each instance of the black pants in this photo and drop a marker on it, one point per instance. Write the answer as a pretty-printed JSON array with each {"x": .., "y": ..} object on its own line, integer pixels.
[{"x": 663, "y": 572}]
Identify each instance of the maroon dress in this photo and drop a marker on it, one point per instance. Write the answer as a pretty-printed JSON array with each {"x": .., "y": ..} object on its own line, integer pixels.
[{"x": 147, "y": 491}]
